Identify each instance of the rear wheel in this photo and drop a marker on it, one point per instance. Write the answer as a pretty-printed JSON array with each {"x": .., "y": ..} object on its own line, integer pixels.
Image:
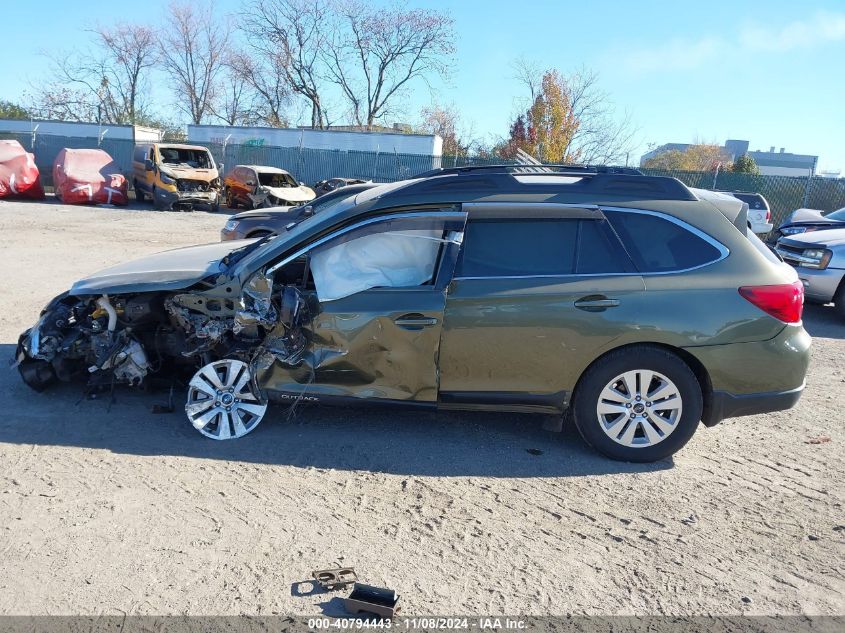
[
  {"x": 638, "y": 404},
  {"x": 139, "y": 193}
]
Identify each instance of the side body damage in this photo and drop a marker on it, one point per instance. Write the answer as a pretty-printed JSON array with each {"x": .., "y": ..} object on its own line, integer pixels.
[{"x": 290, "y": 331}]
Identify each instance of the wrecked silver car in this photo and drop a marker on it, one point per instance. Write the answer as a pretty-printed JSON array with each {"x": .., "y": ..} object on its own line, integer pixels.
[{"x": 243, "y": 322}]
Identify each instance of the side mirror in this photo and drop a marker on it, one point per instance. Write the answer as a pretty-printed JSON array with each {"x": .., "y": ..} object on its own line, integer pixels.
[
  {"x": 302, "y": 184},
  {"x": 148, "y": 164}
]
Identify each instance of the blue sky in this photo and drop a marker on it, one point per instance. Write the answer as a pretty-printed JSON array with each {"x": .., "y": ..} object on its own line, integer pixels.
[{"x": 766, "y": 71}]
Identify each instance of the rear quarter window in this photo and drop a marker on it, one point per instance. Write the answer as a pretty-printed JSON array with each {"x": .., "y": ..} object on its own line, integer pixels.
[{"x": 658, "y": 245}]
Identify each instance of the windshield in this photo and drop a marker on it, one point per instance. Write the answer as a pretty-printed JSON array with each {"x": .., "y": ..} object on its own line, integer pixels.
[
  {"x": 270, "y": 179},
  {"x": 839, "y": 214},
  {"x": 182, "y": 157}
]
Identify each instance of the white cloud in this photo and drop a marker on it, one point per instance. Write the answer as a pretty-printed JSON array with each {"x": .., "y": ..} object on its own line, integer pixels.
[
  {"x": 823, "y": 27},
  {"x": 686, "y": 54}
]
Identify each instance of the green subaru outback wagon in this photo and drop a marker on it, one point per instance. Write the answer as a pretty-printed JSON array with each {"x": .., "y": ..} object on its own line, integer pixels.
[{"x": 639, "y": 305}]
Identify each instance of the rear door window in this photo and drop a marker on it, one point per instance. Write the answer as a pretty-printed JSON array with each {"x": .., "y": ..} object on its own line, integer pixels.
[
  {"x": 657, "y": 244},
  {"x": 524, "y": 248},
  {"x": 599, "y": 250}
]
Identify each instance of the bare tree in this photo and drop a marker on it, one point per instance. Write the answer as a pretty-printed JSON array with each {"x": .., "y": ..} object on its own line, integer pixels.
[
  {"x": 375, "y": 52},
  {"x": 234, "y": 102},
  {"x": 288, "y": 37},
  {"x": 269, "y": 94},
  {"x": 108, "y": 81},
  {"x": 193, "y": 48},
  {"x": 602, "y": 136}
]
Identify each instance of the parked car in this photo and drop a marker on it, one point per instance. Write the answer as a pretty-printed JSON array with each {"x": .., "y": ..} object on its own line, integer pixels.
[
  {"x": 88, "y": 176},
  {"x": 263, "y": 222},
  {"x": 255, "y": 186},
  {"x": 759, "y": 211},
  {"x": 819, "y": 258},
  {"x": 19, "y": 175},
  {"x": 808, "y": 220},
  {"x": 628, "y": 299},
  {"x": 331, "y": 184},
  {"x": 175, "y": 176}
]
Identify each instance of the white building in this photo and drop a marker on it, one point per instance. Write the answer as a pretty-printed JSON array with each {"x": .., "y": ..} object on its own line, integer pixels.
[
  {"x": 344, "y": 140},
  {"x": 80, "y": 130}
]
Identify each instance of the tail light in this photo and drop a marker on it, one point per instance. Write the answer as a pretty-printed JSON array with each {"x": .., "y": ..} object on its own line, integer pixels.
[
  {"x": 783, "y": 301},
  {"x": 768, "y": 215}
]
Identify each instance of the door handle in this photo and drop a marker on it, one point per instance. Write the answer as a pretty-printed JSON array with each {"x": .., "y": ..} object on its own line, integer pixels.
[
  {"x": 415, "y": 321},
  {"x": 596, "y": 303}
]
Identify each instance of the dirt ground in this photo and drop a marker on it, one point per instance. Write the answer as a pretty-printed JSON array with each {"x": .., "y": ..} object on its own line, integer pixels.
[{"x": 110, "y": 509}]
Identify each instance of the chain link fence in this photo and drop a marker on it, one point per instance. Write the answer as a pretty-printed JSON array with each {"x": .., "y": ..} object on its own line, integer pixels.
[{"x": 784, "y": 193}]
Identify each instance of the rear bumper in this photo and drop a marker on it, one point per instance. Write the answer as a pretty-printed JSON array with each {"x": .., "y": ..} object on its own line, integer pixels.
[
  {"x": 757, "y": 377},
  {"x": 730, "y": 405}
]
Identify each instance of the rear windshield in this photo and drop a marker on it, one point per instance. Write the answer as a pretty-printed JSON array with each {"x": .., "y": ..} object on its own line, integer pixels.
[
  {"x": 754, "y": 200},
  {"x": 269, "y": 179},
  {"x": 181, "y": 157}
]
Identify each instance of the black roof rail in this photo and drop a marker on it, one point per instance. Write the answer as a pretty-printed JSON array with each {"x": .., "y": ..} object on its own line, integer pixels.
[
  {"x": 592, "y": 181},
  {"x": 552, "y": 169}
]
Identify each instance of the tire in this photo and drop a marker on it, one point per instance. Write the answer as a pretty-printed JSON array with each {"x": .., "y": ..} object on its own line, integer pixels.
[
  {"x": 158, "y": 206},
  {"x": 839, "y": 300},
  {"x": 631, "y": 427},
  {"x": 230, "y": 200},
  {"x": 139, "y": 193},
  {"x": 214, "y": 207}
]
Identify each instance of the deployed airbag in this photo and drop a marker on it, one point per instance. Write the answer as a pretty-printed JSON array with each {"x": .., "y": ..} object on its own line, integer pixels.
[{"x": 397, "y": 259}]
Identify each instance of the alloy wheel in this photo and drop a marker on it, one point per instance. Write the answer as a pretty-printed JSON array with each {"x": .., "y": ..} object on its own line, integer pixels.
[
  {"x": 222, "y": 401},
  {"x": 639, "y": 408}
]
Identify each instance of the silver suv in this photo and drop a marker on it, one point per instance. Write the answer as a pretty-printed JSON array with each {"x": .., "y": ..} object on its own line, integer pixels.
[{"x": 819, "y": 258}]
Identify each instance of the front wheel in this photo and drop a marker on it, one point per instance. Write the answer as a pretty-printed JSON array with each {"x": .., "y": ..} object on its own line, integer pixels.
[
  {"x": 230, "y": 199},
  {"x": 139, "y": 194},
  {"x": 638, "y": 404},
  {"x": 223, "y": 401}
]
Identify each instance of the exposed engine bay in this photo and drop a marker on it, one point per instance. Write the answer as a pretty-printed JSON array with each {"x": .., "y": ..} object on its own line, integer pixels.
[{"x": 128, "y": 339}]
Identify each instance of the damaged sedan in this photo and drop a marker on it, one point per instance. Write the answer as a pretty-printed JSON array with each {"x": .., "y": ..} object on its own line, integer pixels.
[
  {"x": 259, "y": 186},
  {"x": 486, "y": 288}
]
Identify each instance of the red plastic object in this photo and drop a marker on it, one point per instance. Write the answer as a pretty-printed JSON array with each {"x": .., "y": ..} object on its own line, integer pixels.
[
  {"x": 18, "y": 174},
  {"x": 783, "y": 301},
  {"x": 88, "y": 176}
]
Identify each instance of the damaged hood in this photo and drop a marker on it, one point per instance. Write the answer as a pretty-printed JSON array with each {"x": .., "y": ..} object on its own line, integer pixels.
[
  {"x": 170, "y": 270},
  {"x": 290, "y": 194},
  {"x": 192, "y": 173}
]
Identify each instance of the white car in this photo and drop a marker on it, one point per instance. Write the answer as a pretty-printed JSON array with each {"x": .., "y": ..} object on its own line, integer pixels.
[{"x": 759, "y": 213}]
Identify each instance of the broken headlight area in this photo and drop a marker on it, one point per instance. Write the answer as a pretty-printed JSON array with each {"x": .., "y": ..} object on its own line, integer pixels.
[
  {"x": 125, "y": 339},
  {"x": 99, "y": 338},
  {"x": 186, "y": 185}
]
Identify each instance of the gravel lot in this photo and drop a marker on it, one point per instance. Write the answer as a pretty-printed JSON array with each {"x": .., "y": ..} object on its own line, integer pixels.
[{"x": 119, "y": 511}]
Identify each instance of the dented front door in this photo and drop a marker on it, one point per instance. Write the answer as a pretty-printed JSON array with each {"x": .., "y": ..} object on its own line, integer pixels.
[{"x": 380, "y": 343}]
